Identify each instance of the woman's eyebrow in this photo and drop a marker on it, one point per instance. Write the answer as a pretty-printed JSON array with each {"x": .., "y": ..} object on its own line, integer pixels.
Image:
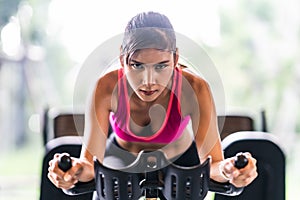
[
  {"x": 138, "y": 62},
  {"x": 163, "y": 62}
]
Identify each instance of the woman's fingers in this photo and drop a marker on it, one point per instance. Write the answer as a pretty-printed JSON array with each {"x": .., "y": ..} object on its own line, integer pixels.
[
  {"x": 239, "y": 177},
  {"x": 74, "y": 172},
  {"x": 61, "y": 179},
  {"x": 60, "y": 183},
  {"x": 247, "y": 174}
]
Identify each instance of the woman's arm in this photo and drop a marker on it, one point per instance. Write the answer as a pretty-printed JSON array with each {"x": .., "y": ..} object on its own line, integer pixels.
[
  {"x": 95, "y": 134},
  {"x": 208, "y": 142},
  {"x": 97, "y": 118},
  {"x": 205, "y": 127}
]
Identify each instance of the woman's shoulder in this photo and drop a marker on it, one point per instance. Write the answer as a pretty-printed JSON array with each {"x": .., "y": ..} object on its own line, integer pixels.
[
  {"x": 194, "y": 91},
  {"x": 108, "y": 82},
  {"x": 191, "y": 78}
]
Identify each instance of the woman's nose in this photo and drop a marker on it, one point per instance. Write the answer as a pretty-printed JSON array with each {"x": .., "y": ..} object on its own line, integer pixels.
[{"x": 148, "y": 76}]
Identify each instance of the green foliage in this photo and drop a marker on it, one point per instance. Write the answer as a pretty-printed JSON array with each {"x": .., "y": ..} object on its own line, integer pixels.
[
  {"x": 252, "y": 61},
  {"x": 262, "y": 10}
]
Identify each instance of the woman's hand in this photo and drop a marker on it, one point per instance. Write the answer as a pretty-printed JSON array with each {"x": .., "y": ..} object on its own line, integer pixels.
[
  {"x": 239, "y": 177},
  {"x": 81, "y": 170}
]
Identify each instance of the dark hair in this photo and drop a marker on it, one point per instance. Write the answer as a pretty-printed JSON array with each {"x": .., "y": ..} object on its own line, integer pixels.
[
  {"x": 149, "y": 30},
  {"x": 147, "y": 20}
]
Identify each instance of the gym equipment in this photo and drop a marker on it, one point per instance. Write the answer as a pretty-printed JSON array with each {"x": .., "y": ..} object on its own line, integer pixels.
[
  {"x": 152, "y": 176},
  {"x": 70, "y": 145},
  {"x": 265, "y": 148}
]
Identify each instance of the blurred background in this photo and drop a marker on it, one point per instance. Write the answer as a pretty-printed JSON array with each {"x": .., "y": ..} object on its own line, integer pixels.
[{"x": 254, "y": 45}]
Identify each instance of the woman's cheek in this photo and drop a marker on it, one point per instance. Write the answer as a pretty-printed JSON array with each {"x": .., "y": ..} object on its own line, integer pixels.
[
  {"x": 134, "y": 80},
  {"x": 163, "y": 78}
]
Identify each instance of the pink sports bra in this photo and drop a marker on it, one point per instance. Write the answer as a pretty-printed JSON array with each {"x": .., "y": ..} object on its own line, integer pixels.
[{"x": 173, "y": 125}]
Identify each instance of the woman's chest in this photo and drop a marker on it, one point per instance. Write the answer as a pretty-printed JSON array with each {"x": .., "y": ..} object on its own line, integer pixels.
[{"x": 147, "y": 121}]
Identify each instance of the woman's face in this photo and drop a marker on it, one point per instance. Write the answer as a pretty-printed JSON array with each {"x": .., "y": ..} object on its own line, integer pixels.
[{"x": 149, "y": 72}]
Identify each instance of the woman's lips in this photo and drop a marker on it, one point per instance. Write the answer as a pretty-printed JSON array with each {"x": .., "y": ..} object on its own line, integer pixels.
[{"x": 148, "y": 92}]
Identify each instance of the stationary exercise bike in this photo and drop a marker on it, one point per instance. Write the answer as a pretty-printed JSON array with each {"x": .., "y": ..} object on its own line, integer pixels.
[{"x": 152, "y": 177}]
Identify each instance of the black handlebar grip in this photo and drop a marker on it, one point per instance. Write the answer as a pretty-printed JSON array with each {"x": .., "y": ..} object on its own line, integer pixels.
[
  {"x": 65, "y": 163},
  {"x": 240, "y": 161}
]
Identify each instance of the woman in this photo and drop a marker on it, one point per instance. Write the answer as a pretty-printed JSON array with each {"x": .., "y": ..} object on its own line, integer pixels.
[{"x": 152, "y": 102}]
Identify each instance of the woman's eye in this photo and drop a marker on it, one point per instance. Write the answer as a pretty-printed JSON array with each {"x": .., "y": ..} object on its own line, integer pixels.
[
  {"x": 160, "y": 66},
  {"x": 136, "y": 66}
]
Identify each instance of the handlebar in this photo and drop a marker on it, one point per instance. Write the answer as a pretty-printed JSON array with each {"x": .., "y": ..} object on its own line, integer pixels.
[
  {"x": 240, "y": 161},
  {"x": 65, "y": 163},
  {"x": 228, "y": 189},
  {"x": 213, "y": 186}
]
